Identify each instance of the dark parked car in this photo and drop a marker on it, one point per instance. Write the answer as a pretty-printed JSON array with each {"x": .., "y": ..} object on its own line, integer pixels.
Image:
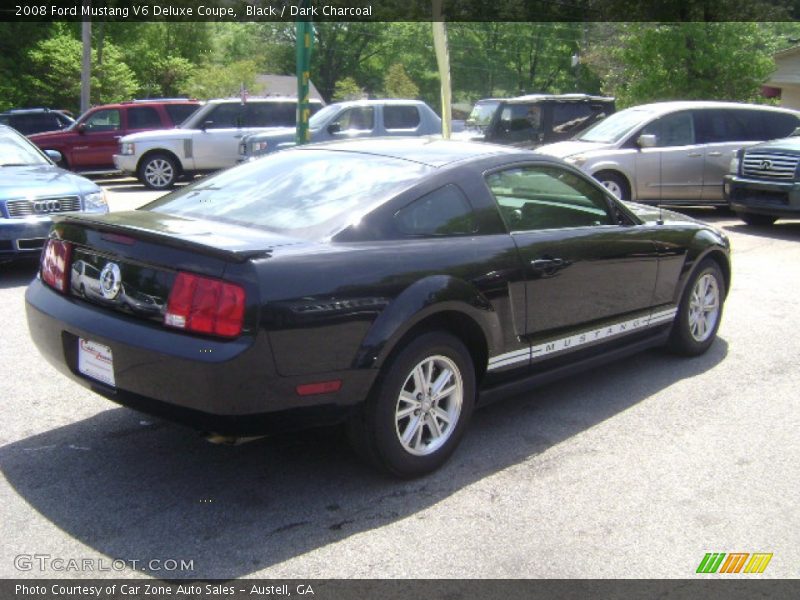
[
  {"x": 764, "y": 184},
  {"x": 35, "y": 120},
  {"x": 89, "y": 144},
  {"x": 32, "y": 190},
  {"x": 404, "y": 283},
  {"x": 536, "y": 119}
]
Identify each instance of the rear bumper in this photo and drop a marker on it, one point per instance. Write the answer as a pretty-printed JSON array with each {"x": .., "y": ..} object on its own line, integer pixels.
[
  {"x": 228, "y": 387},
  {"x": 762, "y": 197}
]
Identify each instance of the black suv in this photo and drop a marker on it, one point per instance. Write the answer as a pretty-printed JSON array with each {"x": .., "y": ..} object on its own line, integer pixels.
[
  {"x": 764, "y": 183},
  {"x": 535, "y": 119},
  {"x": 34, "y": 120}
]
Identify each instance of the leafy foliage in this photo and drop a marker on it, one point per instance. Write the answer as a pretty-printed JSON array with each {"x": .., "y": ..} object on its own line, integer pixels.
[{"x": 397, "y": 83}]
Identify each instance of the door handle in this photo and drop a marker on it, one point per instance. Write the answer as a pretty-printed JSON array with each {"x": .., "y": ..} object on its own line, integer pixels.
[
  {"x": 547, "y": 263},
  {"x": 694, "y": 154},
  {"x": 715, "y": 153}
]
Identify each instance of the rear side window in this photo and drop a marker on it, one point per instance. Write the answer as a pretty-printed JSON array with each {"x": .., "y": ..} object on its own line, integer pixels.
[
  {"x": 270, "y": 114},
  {"x": 143, "y": 117},
  {"x": 400, "y": 117},
  {"x": 178, "y": 113},
  {"x": 729, "y": 125},
  {"x": 572, "y": 117},
  {"x": 441, "y": 212},
  {"x": 779, "y": 125},
  {"x": 676, "y": 129}
]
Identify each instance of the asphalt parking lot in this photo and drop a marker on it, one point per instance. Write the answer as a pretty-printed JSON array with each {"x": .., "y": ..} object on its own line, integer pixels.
[{"x": 633, "y": 470}]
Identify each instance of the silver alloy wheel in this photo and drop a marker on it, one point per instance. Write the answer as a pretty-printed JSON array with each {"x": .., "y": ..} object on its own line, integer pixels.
[
  {"x": 159, "y": 172},
  {"x": 429, "y": 405},
  {"x": 704, "y": 307},
  {"x": 613, "y": 187}
]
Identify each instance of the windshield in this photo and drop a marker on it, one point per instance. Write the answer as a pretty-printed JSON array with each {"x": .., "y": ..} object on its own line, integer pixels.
[
  {"x": 15, "y": 150},
  {"x": 304, "y": 193},
  {"x": 319, "y": 118},
  {"x": 482, "y": 113},
  {"x": 614, "y": 128}
]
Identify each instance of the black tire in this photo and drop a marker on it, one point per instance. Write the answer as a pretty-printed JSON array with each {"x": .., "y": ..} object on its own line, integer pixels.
[
  {"x": 757, "y": 220},
  {"x": 158, "y": 171},
  {"x": 615, "y": 183},
  {"x": 375, "y": 429},
  {"x": 691, "y": 334}
]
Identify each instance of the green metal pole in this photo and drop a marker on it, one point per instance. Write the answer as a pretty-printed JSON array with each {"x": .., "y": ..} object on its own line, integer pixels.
[{"x": 305, "y": 33}]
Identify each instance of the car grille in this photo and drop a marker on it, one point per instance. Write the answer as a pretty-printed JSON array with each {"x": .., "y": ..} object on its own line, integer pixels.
[
  {"x": 770, "y": 165},
  {"x": 18, "y": 209}
]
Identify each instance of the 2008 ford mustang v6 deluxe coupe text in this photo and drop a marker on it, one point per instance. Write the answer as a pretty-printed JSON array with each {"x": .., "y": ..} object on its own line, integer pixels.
[{"x": 392, "y": 285}]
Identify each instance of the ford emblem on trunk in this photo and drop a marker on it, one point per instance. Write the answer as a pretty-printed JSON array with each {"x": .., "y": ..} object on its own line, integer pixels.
[{"x": 110, "y": 281}]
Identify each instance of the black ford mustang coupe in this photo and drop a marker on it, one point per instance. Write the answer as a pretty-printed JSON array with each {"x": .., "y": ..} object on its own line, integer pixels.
[{"x": 391, "y": 285}]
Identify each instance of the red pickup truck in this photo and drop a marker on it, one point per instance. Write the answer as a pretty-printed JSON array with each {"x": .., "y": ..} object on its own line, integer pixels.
[{"x": 89, "y": 144}]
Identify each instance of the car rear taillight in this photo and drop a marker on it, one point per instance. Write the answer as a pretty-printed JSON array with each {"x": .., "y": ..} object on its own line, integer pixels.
[
  {"x": 205, "y": 305},
  {"x": 55, "y": 264}
]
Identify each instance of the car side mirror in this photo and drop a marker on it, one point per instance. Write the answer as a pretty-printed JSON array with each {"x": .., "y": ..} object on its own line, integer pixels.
[
  {"x": 334, "y": 128},
  {"x": 647, "y": 140},
  {"x": 54, "y": 155},
  {"x": 82, "y": 128},
  {"x": 207, "y": 125}
]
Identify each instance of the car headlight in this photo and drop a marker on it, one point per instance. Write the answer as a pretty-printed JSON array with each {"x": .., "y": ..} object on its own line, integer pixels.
[
  {"x": 96, "y": 201},
  {"x": 576, "y": 160},
  {"x": 259, "y": 147},
  {"x": 736, "y": 161},
  {"x": 127, "y": 148}
]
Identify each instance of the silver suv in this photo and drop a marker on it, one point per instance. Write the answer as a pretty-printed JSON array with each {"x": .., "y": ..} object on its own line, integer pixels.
[
  {"x": 207, "y": 141},
  {"x": 672, "y": 152}
]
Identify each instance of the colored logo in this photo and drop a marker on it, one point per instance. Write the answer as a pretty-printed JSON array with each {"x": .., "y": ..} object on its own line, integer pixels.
[{"x": 736, "y": 562}]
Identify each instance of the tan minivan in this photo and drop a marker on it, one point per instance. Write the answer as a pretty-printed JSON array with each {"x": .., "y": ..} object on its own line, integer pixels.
[{"x": 672, "y": 152}]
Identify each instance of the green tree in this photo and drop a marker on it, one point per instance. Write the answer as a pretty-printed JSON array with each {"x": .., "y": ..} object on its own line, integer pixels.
[
  {"x": 397, "y": 83},
  {"x": 347, "y": 89},
  {"x": 668, "y": 61},
  {"x": 54, "y": 78},
  {"x": 214, "y": 80}
]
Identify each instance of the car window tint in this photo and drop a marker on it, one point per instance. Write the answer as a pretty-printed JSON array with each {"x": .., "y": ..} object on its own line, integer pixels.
[
  {"x": 34, "y": 123},
  {"x": 180, "y": 112},
  {"x": 143, "y": 117},
  {"x": 676, "y": 129},
  {"x": 278, "y": 194},
  {"x": 270, "y": 114},
  {"x": 546, "y": 197},
  {"x": 225, "y": 116},
  {"x": 520, "y": 122},
  {"x": 103, "y": 120},
  {"x": 400, "y": 117},
  {"x": 778, "y": 125},
  {"x": 441, "y": 212},
  {"x": 729, "y": 125},
  {"x": 361, "y": 118}
]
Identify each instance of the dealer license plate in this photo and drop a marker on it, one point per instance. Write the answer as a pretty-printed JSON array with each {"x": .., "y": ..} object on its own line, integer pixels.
[{"x": 95, "y": 360}]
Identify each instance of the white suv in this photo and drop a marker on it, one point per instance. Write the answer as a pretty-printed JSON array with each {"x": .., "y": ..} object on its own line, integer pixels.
[{"x": 207, "y": 141}]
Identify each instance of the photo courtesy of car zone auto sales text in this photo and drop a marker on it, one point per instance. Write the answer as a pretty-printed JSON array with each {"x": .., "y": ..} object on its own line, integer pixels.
[{"x": 341, "y": 299}]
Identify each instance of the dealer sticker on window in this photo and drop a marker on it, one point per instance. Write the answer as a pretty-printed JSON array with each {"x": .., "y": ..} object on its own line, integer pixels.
[{"x": 96, "y": 361}]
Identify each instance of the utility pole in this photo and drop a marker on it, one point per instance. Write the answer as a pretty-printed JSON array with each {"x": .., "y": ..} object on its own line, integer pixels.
[
  {"x": 304, "y": 32},
  {"x": 86, "y": 63},
  {"x": 443, "y": 61}
]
